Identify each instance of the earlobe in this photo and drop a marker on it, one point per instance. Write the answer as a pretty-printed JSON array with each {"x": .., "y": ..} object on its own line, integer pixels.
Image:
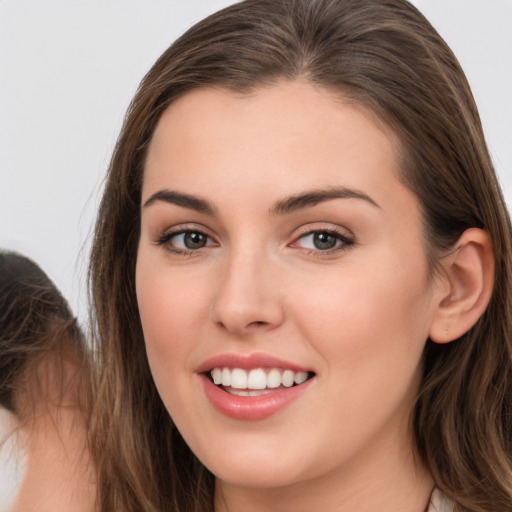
[{"x": 468, "y": 275}]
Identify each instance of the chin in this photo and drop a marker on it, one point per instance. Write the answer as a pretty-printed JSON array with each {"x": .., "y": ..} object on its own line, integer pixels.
[
  {"x": 262, "y": 476},
  {"x": 257, "y": 466}
]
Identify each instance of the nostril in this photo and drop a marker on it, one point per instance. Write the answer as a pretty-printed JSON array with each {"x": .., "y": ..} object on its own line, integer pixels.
[{"x": 258, "y": 323}]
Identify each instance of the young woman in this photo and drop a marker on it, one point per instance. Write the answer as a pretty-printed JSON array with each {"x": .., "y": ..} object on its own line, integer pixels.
[
  {"x": 45, "y": 384},
  {"x": 301, "y": 274}
]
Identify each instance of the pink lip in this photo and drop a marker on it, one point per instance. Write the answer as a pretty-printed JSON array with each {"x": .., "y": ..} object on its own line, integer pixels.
[
  {"x": 250, "y": 408},
  {"x": 248, "y": 362}
]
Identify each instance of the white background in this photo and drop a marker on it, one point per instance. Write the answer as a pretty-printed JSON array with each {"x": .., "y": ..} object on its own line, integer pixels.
[{"x": 68, "y": 70}]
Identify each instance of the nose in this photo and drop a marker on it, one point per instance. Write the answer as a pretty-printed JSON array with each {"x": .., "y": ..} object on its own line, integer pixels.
[{"x": 248, "y": 297}]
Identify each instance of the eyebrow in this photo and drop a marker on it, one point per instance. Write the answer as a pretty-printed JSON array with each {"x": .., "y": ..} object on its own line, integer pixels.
[
  {"x": 314, "y": 197},
  {"x": 287, "y": 205},
  {"x": 181, "y": 199}
]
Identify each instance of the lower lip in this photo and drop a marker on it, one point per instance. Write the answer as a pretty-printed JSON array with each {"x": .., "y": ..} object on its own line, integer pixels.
[{"x": 251, "y": 408}]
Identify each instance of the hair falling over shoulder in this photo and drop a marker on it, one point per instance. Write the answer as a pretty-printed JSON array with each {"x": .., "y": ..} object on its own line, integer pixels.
[{"x": 385, "y": 56}]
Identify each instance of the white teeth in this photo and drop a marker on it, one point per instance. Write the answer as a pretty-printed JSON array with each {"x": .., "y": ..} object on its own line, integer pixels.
[
  {"x": 239, "y": 378},
  {"x": 226, "y": 377},
  {"x": 217, "y": 376},
  {"x": 248, "y": 392},
  {"x": 274, "y": 378},
  {"x": 301, "y": 377},
  {"x": 288, "y": 378},
  {"x": 256, "y": 379}
]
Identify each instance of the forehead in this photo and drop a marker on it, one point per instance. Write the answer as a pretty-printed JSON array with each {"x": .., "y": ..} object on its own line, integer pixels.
[
  {"x": 264, "y": 108},
  {"x": 288, "y": 135}
]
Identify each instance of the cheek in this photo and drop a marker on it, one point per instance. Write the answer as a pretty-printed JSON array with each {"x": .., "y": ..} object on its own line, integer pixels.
[
  {"x": 379, "y": 312},
  {"x": 171, "y": 311}
]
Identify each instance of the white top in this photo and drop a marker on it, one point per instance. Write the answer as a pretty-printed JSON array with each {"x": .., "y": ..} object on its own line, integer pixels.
[{"x": 440, "y": 503}]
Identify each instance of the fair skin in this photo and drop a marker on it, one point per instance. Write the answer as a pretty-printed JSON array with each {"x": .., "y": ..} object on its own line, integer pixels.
[
  {"x": 230, "y": 268},
  {"x": 59, "y": 474}
]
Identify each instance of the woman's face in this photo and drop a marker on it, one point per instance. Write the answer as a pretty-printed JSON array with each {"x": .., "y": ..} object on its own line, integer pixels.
[{"x": 282, "y": 284}]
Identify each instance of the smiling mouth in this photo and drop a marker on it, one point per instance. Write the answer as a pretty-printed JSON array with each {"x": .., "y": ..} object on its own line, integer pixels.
[{"x": 256, "y": 382}]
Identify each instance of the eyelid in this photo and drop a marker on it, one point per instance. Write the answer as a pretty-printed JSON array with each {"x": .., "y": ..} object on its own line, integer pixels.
[
  {"x": 344, "y": 235},
  {"x": 164, "y": 237},
  {"x": 315, "y": 227}
]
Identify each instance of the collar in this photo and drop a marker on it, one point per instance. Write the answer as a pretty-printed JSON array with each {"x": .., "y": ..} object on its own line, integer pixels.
[{"x": 440, "y": 503}]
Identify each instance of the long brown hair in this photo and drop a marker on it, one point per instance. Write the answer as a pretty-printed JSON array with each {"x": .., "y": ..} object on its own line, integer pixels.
[{"x": 384, "y": 55}]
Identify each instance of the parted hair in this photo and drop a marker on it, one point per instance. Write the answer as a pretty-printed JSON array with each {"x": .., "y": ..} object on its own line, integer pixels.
[{"x": 385, "y": 56}]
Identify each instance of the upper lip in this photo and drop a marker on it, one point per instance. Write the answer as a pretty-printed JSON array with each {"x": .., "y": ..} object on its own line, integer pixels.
[{"x": 248, "y": 362}]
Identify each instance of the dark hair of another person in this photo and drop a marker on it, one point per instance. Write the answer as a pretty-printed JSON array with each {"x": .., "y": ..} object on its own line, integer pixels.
[
  {"x": 35, "y": 322},
  {"x": 385, "y": 56}
]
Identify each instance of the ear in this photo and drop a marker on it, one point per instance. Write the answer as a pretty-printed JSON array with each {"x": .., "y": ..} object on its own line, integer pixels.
[{"x": 466, "y": 287}]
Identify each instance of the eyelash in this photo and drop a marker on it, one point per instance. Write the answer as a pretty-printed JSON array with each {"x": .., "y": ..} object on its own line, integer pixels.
[
  {"x": 165, "y": 239},
  {"x": 343, "y": 242}
]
